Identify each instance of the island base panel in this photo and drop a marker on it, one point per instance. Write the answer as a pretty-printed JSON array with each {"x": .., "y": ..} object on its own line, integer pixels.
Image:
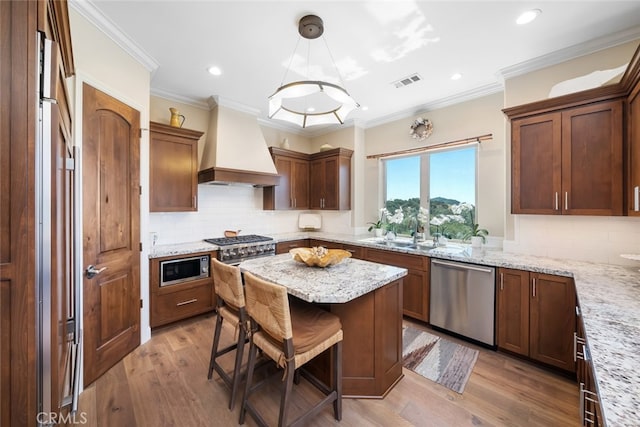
[{"x": 372, "y": 344}]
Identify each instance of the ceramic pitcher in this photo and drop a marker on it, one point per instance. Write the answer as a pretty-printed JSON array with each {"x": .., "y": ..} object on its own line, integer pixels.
[{"x": 177, "y": 119}]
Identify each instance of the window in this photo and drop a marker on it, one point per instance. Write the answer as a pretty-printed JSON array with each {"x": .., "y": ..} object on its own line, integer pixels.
[{"x": 443, "y": 181}]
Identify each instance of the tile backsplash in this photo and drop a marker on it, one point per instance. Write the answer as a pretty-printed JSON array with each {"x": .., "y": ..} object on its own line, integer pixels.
[
  {"x": 238, "y": 207},
  {"x": 233, "y": 207},
  {"x": 586, "y": 238}
]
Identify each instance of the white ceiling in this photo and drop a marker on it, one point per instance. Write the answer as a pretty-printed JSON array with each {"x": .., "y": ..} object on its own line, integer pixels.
[{"x": 374, "y": 43}]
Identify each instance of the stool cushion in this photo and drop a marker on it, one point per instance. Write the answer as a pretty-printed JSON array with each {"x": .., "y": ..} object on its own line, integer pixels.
[{"x": 311, "y": 325}]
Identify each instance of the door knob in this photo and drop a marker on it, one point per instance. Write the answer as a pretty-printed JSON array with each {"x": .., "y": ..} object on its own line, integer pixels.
[{"x": 91, "y": 271}]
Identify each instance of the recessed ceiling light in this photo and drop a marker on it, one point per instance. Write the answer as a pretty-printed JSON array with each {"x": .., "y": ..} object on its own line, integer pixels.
[
  {"x": 216, "y": 71},
  {"x": 456, "y": 76},
  {"x": 528, "y": 16},
  {"x": 364, "y": 108},
  {"x": 310, "y": 110}
]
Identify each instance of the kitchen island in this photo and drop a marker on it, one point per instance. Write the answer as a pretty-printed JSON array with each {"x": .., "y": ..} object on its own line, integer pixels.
[{"x": 367, "y": 297}]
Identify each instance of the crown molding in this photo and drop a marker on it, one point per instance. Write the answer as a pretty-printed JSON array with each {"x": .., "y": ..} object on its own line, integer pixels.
[
  {"x": 570, "y": 52},
  {"x": 179, "y": 98},
  {"x": 478, "y": 92},
  {"x": 97, "y": 18},
  {"x": 216, "y": 100}
]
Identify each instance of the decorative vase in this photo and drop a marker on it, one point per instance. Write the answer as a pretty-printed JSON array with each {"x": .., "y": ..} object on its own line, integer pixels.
[
  {"x": 476, "y": 241},
  {"x": 176, "y": 117},
  {"x": 377, "y": 232},
  {"x": 391, "y": 235}
]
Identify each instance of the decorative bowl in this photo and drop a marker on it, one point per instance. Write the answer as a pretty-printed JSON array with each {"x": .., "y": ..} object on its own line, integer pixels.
[{"x": 319, "y": 256}]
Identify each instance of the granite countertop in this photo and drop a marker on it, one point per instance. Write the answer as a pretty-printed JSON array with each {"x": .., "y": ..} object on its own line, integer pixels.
[
  {"x": 609, "y": 298},
  {"x": 338, "y": 283}
]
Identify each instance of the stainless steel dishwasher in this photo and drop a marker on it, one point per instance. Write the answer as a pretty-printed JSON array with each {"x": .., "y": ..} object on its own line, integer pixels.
[{"x": 463, "y": 299}]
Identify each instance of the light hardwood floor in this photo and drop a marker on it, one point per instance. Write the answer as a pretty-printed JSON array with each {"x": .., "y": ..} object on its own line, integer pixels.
[{"x": 164, "y": 383}]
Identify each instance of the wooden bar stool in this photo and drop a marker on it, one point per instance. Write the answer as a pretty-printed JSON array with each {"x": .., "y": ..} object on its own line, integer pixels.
[
  {"x": 291, "y": 335},
  {"x": 227, "y": 282}
]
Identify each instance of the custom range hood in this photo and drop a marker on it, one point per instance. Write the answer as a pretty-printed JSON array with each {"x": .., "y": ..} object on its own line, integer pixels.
[{"x": 235, "y": 151}]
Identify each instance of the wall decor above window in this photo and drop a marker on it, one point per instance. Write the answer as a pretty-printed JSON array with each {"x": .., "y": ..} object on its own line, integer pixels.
[{"x": 421, "y": 129}]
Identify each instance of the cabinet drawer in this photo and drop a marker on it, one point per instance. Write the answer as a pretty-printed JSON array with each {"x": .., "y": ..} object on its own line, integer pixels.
[
  {"x": 415, "y": 262},
  {"x": 180, "y": 305},
  {"x": 356, "y": 251},
  {"x": 283, "y": 247}
]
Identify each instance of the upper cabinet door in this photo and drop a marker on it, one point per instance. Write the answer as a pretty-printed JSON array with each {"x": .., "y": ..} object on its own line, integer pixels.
[
  {"x": 293, "y": 190},
  {"x": 330, "y": 180},
  {"x": 592, "y": 178},
  {"x": 536, "y": 152},
  {"x": 282, "y": 192},
  {"x": 300, "y": 184},
  {"x": 173, "y": 168}
]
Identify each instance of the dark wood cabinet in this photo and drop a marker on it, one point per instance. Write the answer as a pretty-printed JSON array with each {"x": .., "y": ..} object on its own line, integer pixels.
[
  {"x": 513, "y": 311},
  {"x": 590, "y": 409},
  {"x": 173, "y": 168},
  {"x": 181, "y": 300},
  {"x": 416, "y": 284},
  {"x": 356, "y": 251},
  {"x": 552, "y": 320},
  {"x": 330, "y": 180},
  {"x": 592, "y": 178},
  {"x": 536, "y": 149},
  {"x": 372, "y": 348},
  {"x": 37, "y": 222},
  {"x": 310, "y": 181},
  {"x": 633, "y": 148},
  {"x": 293, "y": 190},
  {"x": 284, "y": 247},
  {"x": 569, "y": 161},
  {"x": 536, "y": 316}
]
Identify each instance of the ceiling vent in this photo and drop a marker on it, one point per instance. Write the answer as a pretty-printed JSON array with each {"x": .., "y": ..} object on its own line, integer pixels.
[{"x": 413, "y": 78}]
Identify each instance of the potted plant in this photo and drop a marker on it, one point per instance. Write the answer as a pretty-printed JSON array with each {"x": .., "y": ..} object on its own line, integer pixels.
[
  {"x": 377, "y": 226},
  {"x": 477, "y": 235},
  {"x": 394, "y": 220}
]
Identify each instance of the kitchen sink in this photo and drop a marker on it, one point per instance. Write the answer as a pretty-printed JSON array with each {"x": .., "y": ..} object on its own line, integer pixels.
[
  {"x": 421, "y": 246},
  {"x": 405, "y": 244},
  {"x": 450, "y": 249},
  {"x": 399, "y": 244}
]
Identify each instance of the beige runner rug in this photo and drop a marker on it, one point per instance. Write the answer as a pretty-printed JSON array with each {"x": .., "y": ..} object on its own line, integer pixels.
[{"x": 437, "y": 359}]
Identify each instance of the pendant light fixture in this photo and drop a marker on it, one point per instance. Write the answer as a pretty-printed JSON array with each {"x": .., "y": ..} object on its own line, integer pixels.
[{"x": 311, "y": 102}]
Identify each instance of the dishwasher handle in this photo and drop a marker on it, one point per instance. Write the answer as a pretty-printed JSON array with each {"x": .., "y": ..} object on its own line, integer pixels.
[{"x": 462, "y": 266}]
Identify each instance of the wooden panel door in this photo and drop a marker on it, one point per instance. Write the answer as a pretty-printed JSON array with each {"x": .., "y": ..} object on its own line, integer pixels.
[
  {"x": 293, "y": 190},
  {"x": 282, "y": 192},
  {"x": 18, "y": 119},
  {"x": 316, "y": 184},
  {"x": 513, "y": 311},
  {"x": 416, "y": 289},
  {"x": 592, "y": 159},
  {"x": 331, "y": 191},
  {"x": 388, "y": 363},
  {"x": 111, "y": 230},
  {"x": 633, "y": 152},
  {"x": 173, "y": 169},
  {"x": 536, "y": 151},
  {"x": 415, "y": 297},
  {"x": 552, "y": 320},
  {"x": 300, "y": 184}
]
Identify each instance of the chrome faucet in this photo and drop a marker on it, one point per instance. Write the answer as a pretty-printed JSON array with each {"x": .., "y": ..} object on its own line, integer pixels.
[{"x": 416, "y": 230}]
